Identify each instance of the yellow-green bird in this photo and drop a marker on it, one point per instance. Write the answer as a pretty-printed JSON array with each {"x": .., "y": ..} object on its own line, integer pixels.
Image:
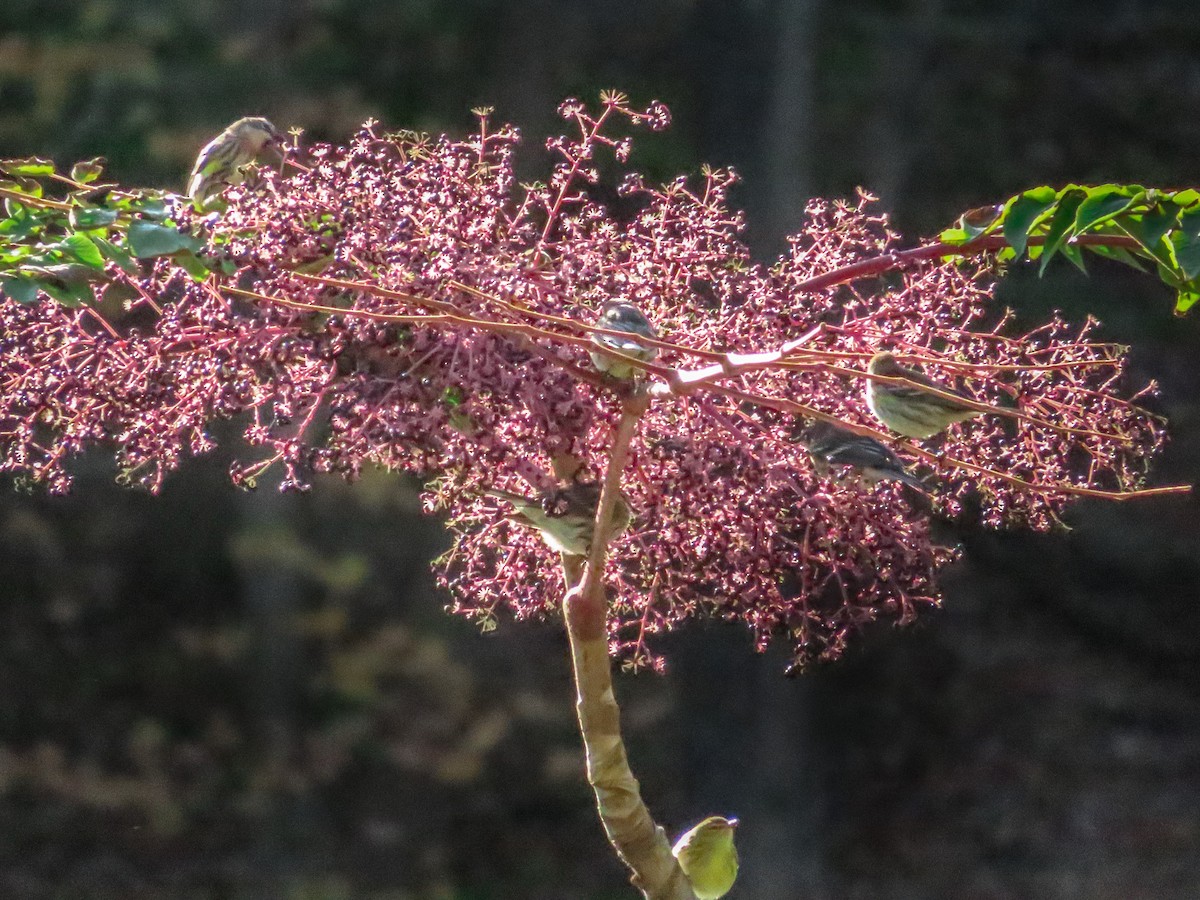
[
  {"x": 909, "y": 407},
  {"x": 565, "y": 516},
  {"x": 220, "y": 163},
  {"x": 708, "y": 857}
]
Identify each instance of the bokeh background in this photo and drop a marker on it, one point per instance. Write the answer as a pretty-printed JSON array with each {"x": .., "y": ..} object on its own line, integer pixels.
[{"x": 215, "y": 695}]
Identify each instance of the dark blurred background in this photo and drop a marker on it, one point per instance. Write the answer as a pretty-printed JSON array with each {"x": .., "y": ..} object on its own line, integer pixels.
[{"x": 215, "y": 695}]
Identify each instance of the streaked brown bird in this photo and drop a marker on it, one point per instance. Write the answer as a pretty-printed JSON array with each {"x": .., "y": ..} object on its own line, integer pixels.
[
  {"x": 221, "y": 161},
  {"x": 910, "y": 407}
]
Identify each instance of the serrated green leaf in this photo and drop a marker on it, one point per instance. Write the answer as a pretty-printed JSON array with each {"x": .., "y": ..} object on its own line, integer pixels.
[
  {"x": 149, "y": 239},
  {"x": 1102, "y": 203},
  {"x": 1022, "y": 212},
  {"x": 80, "y": 247},
  {"x": 23, "y": 290},
  {"x": 89, "y": 218},
  {"x": 88, "y": 170},
  {"x": 31, "y": 166},
  {"x": 1060, "y": 224}
]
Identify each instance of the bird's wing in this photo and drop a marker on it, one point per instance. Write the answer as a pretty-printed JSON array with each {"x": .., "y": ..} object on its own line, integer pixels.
[
  {"x": 208, "y": 161},
  {"x": 919, "y": 378},
  {"x": 862, "y": 454}
]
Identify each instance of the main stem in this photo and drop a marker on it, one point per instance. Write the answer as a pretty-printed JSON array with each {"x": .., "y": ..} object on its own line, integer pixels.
[{"x": 640, "y": 843}]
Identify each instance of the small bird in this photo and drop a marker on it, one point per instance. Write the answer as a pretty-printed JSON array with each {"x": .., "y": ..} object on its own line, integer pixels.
[
  {"x": 708, "y": 857},
  {"x": 220, "y": 163},
  {"x": 911, "y": 409},
  {"x": 830, "y": 446},
  {"x": 621, "y": 316},
  {"x": 565, "y": 515}
]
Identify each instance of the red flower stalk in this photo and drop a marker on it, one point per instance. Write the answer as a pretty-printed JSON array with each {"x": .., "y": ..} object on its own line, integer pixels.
[{"x": 403, "y": 302}]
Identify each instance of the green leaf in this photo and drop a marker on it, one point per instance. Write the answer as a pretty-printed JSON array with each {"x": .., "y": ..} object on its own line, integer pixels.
[
  {"x": 70, "y": 294},
  {"x": 1022, "y": 213},
  {"x": 150, "y": 207},
  {"x": 1185, "y": 300},
  {"x": 192, "y": 264},
  {"x": 80, "y": 247},
  {"x": 1187, "y": 254},
  {"x": 1189, "y": 197},
  {"x": 117, "y": 254},
  {"x": 90, "y": 218},
  {"x": 20, "y": 224},
  {"x": 1060, "y": 224},
  {"x": 88, "y": 170},
  {"x": 23, "y": 290},
  {"x": 1102, "y": 203},
  {"x": 28, "y": 186},
  {"x": 32, "y": 166},
  {"x": 953, "y": 236},
  {"x": 1120, "y": 254},
  {"x": 1189, "y": 223},
  {"x": 13, "y": 253},
  {"x": 148, "y": 239},
  {"x": 1074, "y": 253},
  {"x": 1149, "y": 228}
]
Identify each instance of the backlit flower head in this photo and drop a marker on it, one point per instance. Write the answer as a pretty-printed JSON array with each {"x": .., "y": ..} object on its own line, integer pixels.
[{"x": 403, "y": 302}]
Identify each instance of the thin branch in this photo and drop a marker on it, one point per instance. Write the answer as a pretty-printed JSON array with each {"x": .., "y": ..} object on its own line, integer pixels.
[
  {"x": 902, "y": 259},
  {"x": 640, "y": 843}
]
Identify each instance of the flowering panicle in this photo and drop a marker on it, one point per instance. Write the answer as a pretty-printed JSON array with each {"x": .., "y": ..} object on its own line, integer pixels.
[{"x": 402, "y": 302}]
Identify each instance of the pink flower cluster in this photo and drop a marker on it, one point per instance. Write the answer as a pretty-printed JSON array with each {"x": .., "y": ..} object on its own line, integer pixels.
[{"x": 402, "y": 302}]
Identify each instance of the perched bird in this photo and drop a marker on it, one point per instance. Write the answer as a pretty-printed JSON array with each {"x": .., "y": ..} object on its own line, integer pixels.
[
  {"x": 620, "y": 316},
  {"x": 708, "y": 857},
  {"x": 565, "y": 516},
  {"x": 220, "y": 163},
  {"x": 910, "y": 408},
  {"x": 831, "y": 446}
]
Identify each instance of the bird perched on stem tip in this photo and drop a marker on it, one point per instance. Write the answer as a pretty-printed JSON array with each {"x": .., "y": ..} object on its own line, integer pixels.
[
  {"x": 708, "y": 857},
  {"x": 625, "y": 317},
  {"x": 911, "y": 407},
  {"x": 220, "y": 163},
  {"x": 565, "y": 516},
  {"x": 830, "y": 446}
]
